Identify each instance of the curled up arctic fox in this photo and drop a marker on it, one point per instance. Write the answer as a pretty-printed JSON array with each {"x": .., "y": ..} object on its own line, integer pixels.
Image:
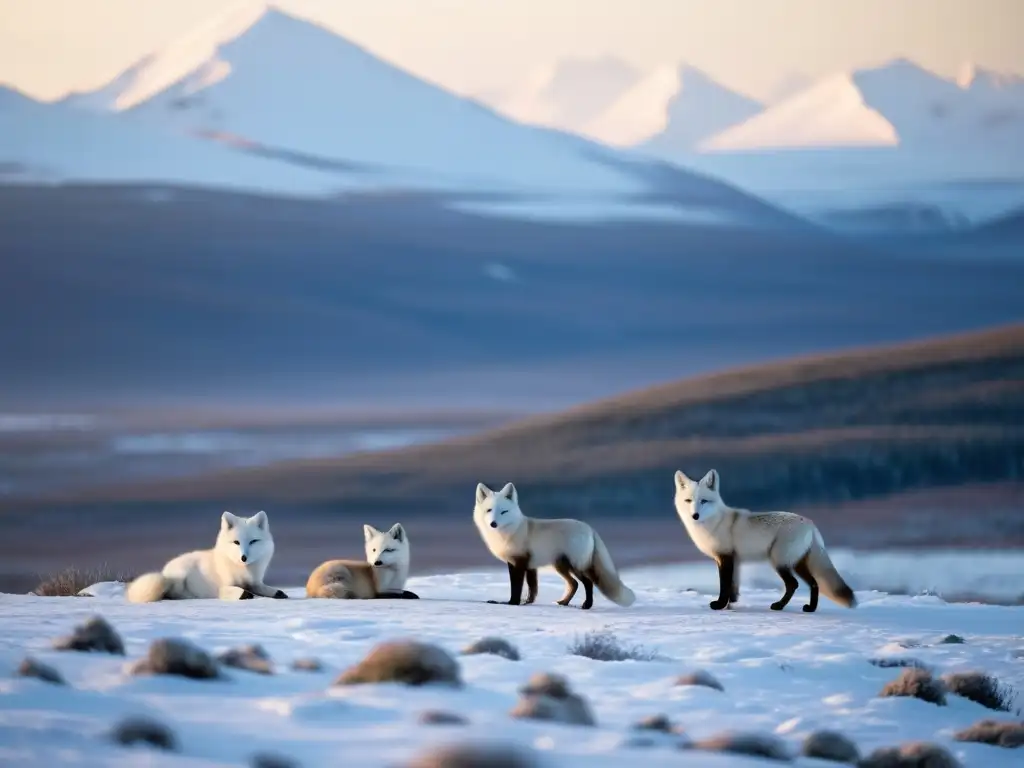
[
  {"x": 381, "y": 576},
  {"x": 790, "y": 542}
]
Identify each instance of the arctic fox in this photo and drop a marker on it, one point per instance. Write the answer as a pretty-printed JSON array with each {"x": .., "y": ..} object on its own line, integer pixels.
[
  {"x": 529, "y": 543},
  {"x": 728, "y": 536},
  {"x": 232, "y": 570},
  {"x": 382, "y": 576}
]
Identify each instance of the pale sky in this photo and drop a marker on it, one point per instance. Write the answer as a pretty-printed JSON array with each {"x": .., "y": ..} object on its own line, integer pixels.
[{"x": 48, "y": 47}]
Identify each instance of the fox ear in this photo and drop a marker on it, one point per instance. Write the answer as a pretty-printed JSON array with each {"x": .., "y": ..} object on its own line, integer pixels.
[
  {"x": 397, "y": 532},
  {"x": 369, "y": 532},
  {"x": 509, "y": 492},
  {"x": 483, "y": 492},
  {"x": 260, "y": 519},
  {"x": 682, "y": 481},
  {"x": 227, "y": 520},
  {"x": 710, "y": 480}
]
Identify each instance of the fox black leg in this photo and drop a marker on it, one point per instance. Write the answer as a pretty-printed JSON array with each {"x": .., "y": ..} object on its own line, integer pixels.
[
  {"x": 403, "y": 595},
  {"x": 804, "y": 572},
  {"x": 726, "y": 574},
  {"x": 588, "y": 589},
  {"x": 531, "y": 585},
  {"x": 246, "y": 595},
  {"x": 791, "y": 585},
  {"x": 734, "y": 594},
  {"x": 516, "y": 574}
]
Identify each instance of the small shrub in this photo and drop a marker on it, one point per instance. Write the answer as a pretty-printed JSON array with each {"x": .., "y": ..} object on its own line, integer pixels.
[
  {"x": 754, "y": 744},
  {"x": 982, "y": 689},
  {"x": 830, "y": 745},
  {"x": 136, "y": 730},
  {"x": 952, "y": 640},
  {"x": 172, "y": 656},
  {"x": 701, "y": 678},
  {"x": 604, "y": 646},
  {"x": 71, "y": 581},
  {"x": 496, "y": 646},
  {"x": 917, "y": 754},
  {"x": 994, "y": 732},
  {"x": 404, "y": 661},
  {"x": 658, "y": 723},
  {"x": 93, "y": 635},
  {"x": 32, "y": 668},
  {"x": 917, "y": 684}
]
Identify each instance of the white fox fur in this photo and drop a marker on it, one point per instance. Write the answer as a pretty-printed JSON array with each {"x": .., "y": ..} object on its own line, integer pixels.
[
  {"x": 382, "y": 575},
  {"x": 529, "y": 543},
  {"x": 790, "y": 542},
  {"x": 232, "y": 570}
]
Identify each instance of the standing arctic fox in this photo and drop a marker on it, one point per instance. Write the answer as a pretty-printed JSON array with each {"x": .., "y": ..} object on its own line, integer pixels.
[
  {"x": 790, "y": 542},
  {"x": 529, "y": 543},
  {"x": 232, "y": 570},
  {"x": 383, "y": 574}
]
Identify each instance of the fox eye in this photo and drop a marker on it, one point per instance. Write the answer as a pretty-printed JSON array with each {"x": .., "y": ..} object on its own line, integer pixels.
[
  {"x": 687, "y": 501},
  {"x": 236, "y": 542},
  {"x": 504, "y": 511},
  {"x": 704, "y": 501},
  {"x": 253, "y": 542},
  {"x": 389, "y": 549}
]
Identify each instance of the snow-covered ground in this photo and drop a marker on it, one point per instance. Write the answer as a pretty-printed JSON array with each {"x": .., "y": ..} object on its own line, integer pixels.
[{"x": 783, "y": 673}]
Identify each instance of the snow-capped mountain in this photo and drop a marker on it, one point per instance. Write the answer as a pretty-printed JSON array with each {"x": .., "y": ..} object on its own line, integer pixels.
[
  {"x": 671, "y": 110},
  {"x": 261, "y": 78},
  {"x": 898, "y": 104},
  {"x": 52, "y": 143},
  {"x": 566, "y": 94}
]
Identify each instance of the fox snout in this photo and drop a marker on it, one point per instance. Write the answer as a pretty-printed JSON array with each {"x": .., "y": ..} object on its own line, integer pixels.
[
  {"x": 245, "y": 558},
  {"x": 696, "y": 515},
  {"x": 494, "y": 524},
  {"x": 378, "y": 562}
]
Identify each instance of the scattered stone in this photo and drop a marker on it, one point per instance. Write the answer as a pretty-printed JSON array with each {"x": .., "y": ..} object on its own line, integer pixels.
[
  {"x": 995, "y": 732},
  {"x": 702, "y": 678},
  {"x": 917, "y": 684},
  {"x": 252, "y": 658},
  {"x": 136, "y": 730},
  {"x": 548, "y": 697},
  {"x": 439, "y": 717},
  {"x": 173, "y": 656},
  {"x": 830, "y": 745},
  {"x": 307, "y": 665},
  {"x": 916, "y": 754},
  {"x": 659, "y": 723},
  {"x": 496, "y": 646},
  {"x": 94, "y": 635},
  {"x": 404, "y": 661},
  {"x": 753, "y": 744},
  {"x": 952, "y": 640},
  {"x": 495, "y": 755},
  {"x": 272, "y": 760},
  {"x": 37, "y": 669},
  {"x": 981, "y": 689}
]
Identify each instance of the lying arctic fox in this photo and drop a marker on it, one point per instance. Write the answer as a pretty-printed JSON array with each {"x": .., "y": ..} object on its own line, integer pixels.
[
  {"x": 232, "y": 570},
  {"x": 382, "y": 576}
]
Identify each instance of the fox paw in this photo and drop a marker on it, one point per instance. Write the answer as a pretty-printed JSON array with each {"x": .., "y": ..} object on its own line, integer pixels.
[
  {"x": 280, "y": 595},
  {"x": 246, "y": 595},
  {"x": 778, "y": 606},
  {"x": 810, "y": 608},
  {"x": 502, "y": 602},
  {"x": 717, "y": 605}
]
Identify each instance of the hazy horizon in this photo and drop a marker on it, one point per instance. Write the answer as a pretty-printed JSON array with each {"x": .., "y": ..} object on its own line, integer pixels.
[{"x": 51, "y": 47}]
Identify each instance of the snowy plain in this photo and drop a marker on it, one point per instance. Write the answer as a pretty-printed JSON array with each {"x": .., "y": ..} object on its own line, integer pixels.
[{"x": 785, "y": 673}]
